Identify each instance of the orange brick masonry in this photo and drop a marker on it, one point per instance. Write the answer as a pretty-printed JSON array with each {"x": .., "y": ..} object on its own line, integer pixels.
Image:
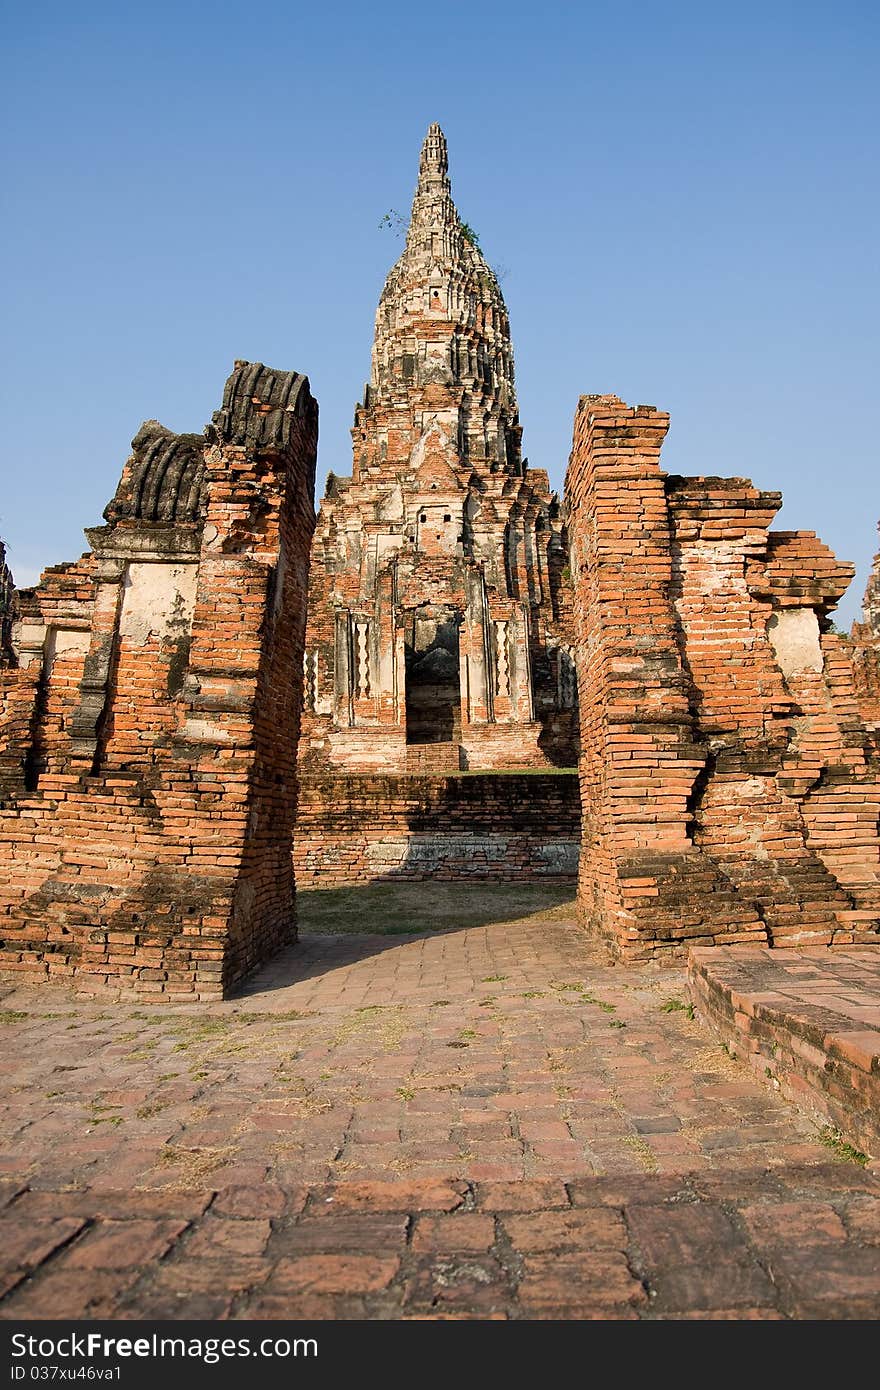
[{"x": 485, "y": 1123}]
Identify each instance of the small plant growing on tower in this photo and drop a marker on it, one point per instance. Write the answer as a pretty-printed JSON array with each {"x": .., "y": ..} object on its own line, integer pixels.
[{"x": 470, "y": 235}]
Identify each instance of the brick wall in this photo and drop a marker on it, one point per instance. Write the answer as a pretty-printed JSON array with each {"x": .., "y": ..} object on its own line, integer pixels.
[
  {"x": 361, "y": 828},
  {"x": 730, "y": 788},
  {"x": 147, "y": 814}
]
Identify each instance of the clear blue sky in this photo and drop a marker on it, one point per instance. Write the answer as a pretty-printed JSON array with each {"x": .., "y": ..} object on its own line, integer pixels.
[{"x": 684, "y": 198}]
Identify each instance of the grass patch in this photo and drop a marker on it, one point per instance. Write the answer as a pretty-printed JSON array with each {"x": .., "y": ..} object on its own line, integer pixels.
[
  {"x": 643, "y": 1153},
  {"x": 406, "y": 909},
  {"x": 103, "y": 1114},
  {"x": 599, "y": 1003},
  {"x": 289, "y": 1016},
  {"x": 153, "y": 1107},
  {"x": 374, "y": 1025},
  {"x": 834, "y": 1140},
  {"x": 677, "y": 1006},
  {"x": 204, "y": 1027},
  {"x": 192, "y": 1166},
  {"x": 12, "y": 1016}
]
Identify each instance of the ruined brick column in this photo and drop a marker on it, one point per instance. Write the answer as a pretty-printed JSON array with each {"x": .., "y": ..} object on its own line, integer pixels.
[
  {"x": 149, "y": 833},
  {"x": 243, "y": 689},
  {"x": 639, "y": 759},
  {"x": 728, "y": 787}
]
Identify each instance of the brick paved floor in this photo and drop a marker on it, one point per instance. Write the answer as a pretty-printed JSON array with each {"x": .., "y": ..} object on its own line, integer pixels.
[
  {"x": 811, "y": 1019},
  {"x": 508, "y": 1124}
]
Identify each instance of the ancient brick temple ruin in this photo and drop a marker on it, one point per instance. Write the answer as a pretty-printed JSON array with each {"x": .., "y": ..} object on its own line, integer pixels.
[
  {"x": 469, "y": 640},
  {"x": 439, "y": 633},
  {"x": 439, "y": 628}
]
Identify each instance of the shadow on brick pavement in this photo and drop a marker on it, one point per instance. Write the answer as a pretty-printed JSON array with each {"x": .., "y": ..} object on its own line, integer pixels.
[{"x": 491, "y": 1123}]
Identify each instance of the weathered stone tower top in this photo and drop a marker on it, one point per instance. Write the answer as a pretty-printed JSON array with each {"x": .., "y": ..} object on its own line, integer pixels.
[{"x": 442, "y": 353}]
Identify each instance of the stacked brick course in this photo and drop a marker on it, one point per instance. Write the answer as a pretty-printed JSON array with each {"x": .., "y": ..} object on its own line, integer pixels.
[
  {"x": 364, "y": 828},
  {"x": 150, "y": 721},
  {"x": 729, "y": 788},
  {"x": 806, "y": 1023}
]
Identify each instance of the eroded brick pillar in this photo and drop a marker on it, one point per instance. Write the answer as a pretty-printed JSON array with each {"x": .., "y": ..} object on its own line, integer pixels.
[
  {"x": 729, "y": 785},
  {"x": 640, "y": 874},
  {"x": 150, "y": 846}
]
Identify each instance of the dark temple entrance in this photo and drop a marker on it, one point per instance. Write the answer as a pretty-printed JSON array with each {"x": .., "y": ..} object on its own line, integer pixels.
[{"x": 433, "y": 689}]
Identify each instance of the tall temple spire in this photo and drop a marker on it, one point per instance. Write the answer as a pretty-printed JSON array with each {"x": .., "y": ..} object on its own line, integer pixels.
[
  {"x": 437, "y": 612},
  {"x": 434, "y": 224},
  {"x": 441, "y": 327}
]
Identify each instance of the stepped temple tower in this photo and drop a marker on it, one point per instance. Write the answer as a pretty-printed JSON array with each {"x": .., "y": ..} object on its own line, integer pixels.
[{"x": 439, "y": 618}]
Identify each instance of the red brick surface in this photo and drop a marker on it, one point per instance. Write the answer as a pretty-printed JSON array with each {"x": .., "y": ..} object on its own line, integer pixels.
[
  {"x": 147, "y": 750},
  {"x": 409, "y": 1082},
  {"x": 729, "y": 788},
  {"x": 363, "y": 828},
  {"x": 772, "y": 1252},
  {"x": 809, "y": 1022}
]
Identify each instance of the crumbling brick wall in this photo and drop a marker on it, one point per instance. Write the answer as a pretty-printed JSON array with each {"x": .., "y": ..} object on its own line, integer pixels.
[
  {"x": 728, "y": 785},
  {"x": 148, "y": 808}
]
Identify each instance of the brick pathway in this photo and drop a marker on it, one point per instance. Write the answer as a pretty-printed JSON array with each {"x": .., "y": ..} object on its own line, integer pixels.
[
  {"x": 800, "y": 1243},
  {"x": 550, "y": 1136}
]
